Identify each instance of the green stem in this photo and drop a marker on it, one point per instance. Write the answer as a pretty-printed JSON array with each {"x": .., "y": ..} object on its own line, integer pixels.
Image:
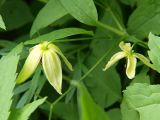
[
  {"x": 100, "y": 60},
  {"x": 72, "y": 40},
  {"x": 136, "y": 40},
  {"x": 50, "y": 112},
  {"x": 76, "y": 39},
  {"x": 56, "y": 101},
  {"x": 76, "y": 50},
  {"x": 108, "y": 8},
  {"x": 110, "y": 28},
  {"x": 66, "y": 78},
  {"x": 43, "y": 1},
  {"x": 86, "y": 74}
]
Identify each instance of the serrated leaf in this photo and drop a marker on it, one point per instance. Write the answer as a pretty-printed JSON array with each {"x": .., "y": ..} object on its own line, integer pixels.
[
  {"x": 48, "y": 15},
  {"x": 137, "y": 93},
  {"x": 154, "y": 46},
  {"x": 26, "y": 111},
  {"x": 89, "y": 110},
  {"x": 144, "y": 99},
  {"x": 82, "y": 10},
  {"x": 7, "y": 80},
  {"x": 59, "y": 34}
]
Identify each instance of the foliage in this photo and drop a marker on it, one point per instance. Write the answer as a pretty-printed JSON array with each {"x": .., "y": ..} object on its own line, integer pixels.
[{"x": 83, "y": 34}]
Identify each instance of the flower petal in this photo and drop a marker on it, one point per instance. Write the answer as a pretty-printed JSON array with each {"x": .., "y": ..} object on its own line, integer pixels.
[
  {"x": 52, "y": 69},
  {"x": 144, "y": 60},
  {"x": 30, "y": 64},
  {"x": 55, "y": 48},
  {"x": 125, "y": 46},
  {"x": 114, "y": 59},
  {"x": 131, "y": 66}
]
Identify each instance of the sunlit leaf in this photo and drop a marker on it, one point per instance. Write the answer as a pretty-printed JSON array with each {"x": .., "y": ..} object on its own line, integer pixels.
[
  {"x": 59, "y": 34},
  {"x": 48, "y": 15},
  {"x": 89, "y": 110},
  {"x": 26, "y": 111},
  {"x": 83, "y": 10},
  {"x": 7, "y": 80}
]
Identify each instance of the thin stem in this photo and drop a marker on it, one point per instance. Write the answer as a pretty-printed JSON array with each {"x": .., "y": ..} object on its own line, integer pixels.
[
  {"x": 66, "y": 78},
  {"x": 50, "y": 112},
  {"x": 86, "y": 74},
  {"x": 108, "y": 27},
  {"x": 72, "y": 40},
  {"x": 75, "y": 51},
  {"x": 108, "y": 8},
  {"x": 43, "y": 1},
  {"x": 136, "y": 40},
  {"x": 56, "y": 101},
  {"x": 99, "y": 61},
  {"x": 76, "y": 39},
  {"x": 46, "y": 101},
  {"x": 115, "y": 19}
]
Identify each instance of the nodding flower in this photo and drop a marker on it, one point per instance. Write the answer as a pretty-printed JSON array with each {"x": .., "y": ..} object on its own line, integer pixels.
[
  {"x": 48, "y": 54},
  {"x": 131, "y": 57}
]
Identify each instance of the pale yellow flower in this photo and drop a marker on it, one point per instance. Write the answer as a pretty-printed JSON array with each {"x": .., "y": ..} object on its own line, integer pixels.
[
  {"x": 47, "y": 53},
  {"x": 131, "y": 57}
]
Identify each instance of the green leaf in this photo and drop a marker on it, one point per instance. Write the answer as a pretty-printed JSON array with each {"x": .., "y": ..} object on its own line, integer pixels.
[
  {"x": 2, "y": 2},
  {"x": 127, "y": 112},
  {"x": 26, "y": 98},
  {"x": 89, "y": 110},
  {"x": 145, "y": 99},
  {"x": 59, "y": 34},
  {"x": 13, "y": 15},
  {"x": 25, "y": 112},
  {"x": 48, "y": 15},
  {"x": 107, "y": 83},
  {"x": 150, "y": 112},
  {"x": 67, "y": 111},
  {"x": 21, "y": 88},
  {"x": 2, "y": 25},
  {"x": 142, "y": 77},
  {"x": 62, "y": 110},
  {"x": 77, "y": 74},
  {"x": 129, "y": 2},
  {"x": 82, "y": 10},
  {"x": 136, "y": 94},
  {"x": 7, "y": 44},
  {"x": 154, "y": 46},
  {"x": 145, "y": 19},
  {"x": 7, "y": 80},
  {"x": 114, "y": 114}
]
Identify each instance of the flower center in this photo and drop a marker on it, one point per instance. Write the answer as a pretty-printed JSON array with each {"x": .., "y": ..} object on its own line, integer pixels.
[{"x": 44, "y": 46}]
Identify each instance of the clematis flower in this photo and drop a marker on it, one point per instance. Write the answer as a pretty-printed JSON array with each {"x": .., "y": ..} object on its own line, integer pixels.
[
  {"x": 131, "y": 57},
  {"x": 48, "y": 54}
]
